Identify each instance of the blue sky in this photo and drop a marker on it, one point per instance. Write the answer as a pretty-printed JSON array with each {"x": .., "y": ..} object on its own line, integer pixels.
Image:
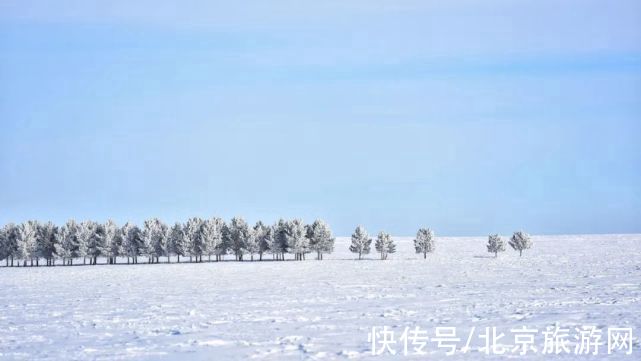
[{"x": 469, "y": 117}]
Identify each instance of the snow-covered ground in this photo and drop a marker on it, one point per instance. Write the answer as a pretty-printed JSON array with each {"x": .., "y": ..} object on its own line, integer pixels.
[{"x": 321, "y": 309}]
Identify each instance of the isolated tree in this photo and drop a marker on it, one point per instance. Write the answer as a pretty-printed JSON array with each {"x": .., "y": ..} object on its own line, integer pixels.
[
  {"x": 361, "y": 242},
  {"x": 297, "y": 239},
  {"x": 239, "y": 235},
  {"x": 520, "y": 241},
  {"x": 133, "y": 242},
  {"x": 114, "y": 240},
  {"x": 320, "y": 238},
  {"x": 384, "y": 245},
  {"x": 194, "y": 238},
  {"x": 212, "y": 233},
  {"x": 495, "y": 244},
  {"x": 176, "y": 242},
  {"x": 424, "y": 242}
]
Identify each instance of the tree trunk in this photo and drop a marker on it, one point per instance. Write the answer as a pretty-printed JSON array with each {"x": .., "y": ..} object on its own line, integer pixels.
[
  {"x": 496, "y": 254},
  {"x": 178, "y": 258},
  {"x": 520, "y": 253}
]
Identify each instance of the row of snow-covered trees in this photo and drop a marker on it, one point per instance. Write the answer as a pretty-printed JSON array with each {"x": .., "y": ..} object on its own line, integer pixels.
[
  {"x": 519, "y": 241},
  {"x": 424, "y": 243},
  {"x": 32, "y": 241},
  {"x": 384, "y": 245}
]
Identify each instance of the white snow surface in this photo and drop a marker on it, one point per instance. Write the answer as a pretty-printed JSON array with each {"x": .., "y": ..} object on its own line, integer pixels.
[{"x": 319, "y": 309}]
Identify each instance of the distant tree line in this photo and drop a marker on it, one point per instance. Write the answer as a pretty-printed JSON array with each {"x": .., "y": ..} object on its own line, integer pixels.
[{"x": 27, "y": 243}]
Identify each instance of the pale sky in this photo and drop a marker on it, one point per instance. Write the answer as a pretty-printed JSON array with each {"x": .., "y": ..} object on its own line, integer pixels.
[{"x": 469, "y": 117}]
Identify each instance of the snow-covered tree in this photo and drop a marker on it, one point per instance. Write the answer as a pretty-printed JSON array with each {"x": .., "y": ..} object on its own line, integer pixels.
[
  {"x": 147, "y": 237},
  {"x": 424, "y": 242},
  {"x": 114, "y": 240},
  {"x": 194, "y": 238},
  {"x": 11, "y": 236},
  {"x": 176, "y": 242},
  {"x": 70, "y": 244},
  {"x": 495, "y": 244},
  {"x": 278, "y": 245},
  {"x": 361, "y": 242},
  {"x": 154, "y": 237},
  {"x": 320, "y": 238},
  {"x": 47, "y": 239},
  {"x": 4, "y": 254},
  {"x": 384, "y": 245},
  {"x": 520, "y": 241},
  {"x": 160, "y": 241},
  {"x": 86, "y": 229},
  {"x": 297, "y": 238},
  {"x": 239, "y": 235},
  {"x": 225, "y": 247},
  {"x": 212, "y": 233},
  {"x": 28, "y": 241},
  {"x": 252, "y": 243},
  {"x": 133, "y": 242},
  {"x": 95, "y": 235},
  {"x": 263, "y": 236}
]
